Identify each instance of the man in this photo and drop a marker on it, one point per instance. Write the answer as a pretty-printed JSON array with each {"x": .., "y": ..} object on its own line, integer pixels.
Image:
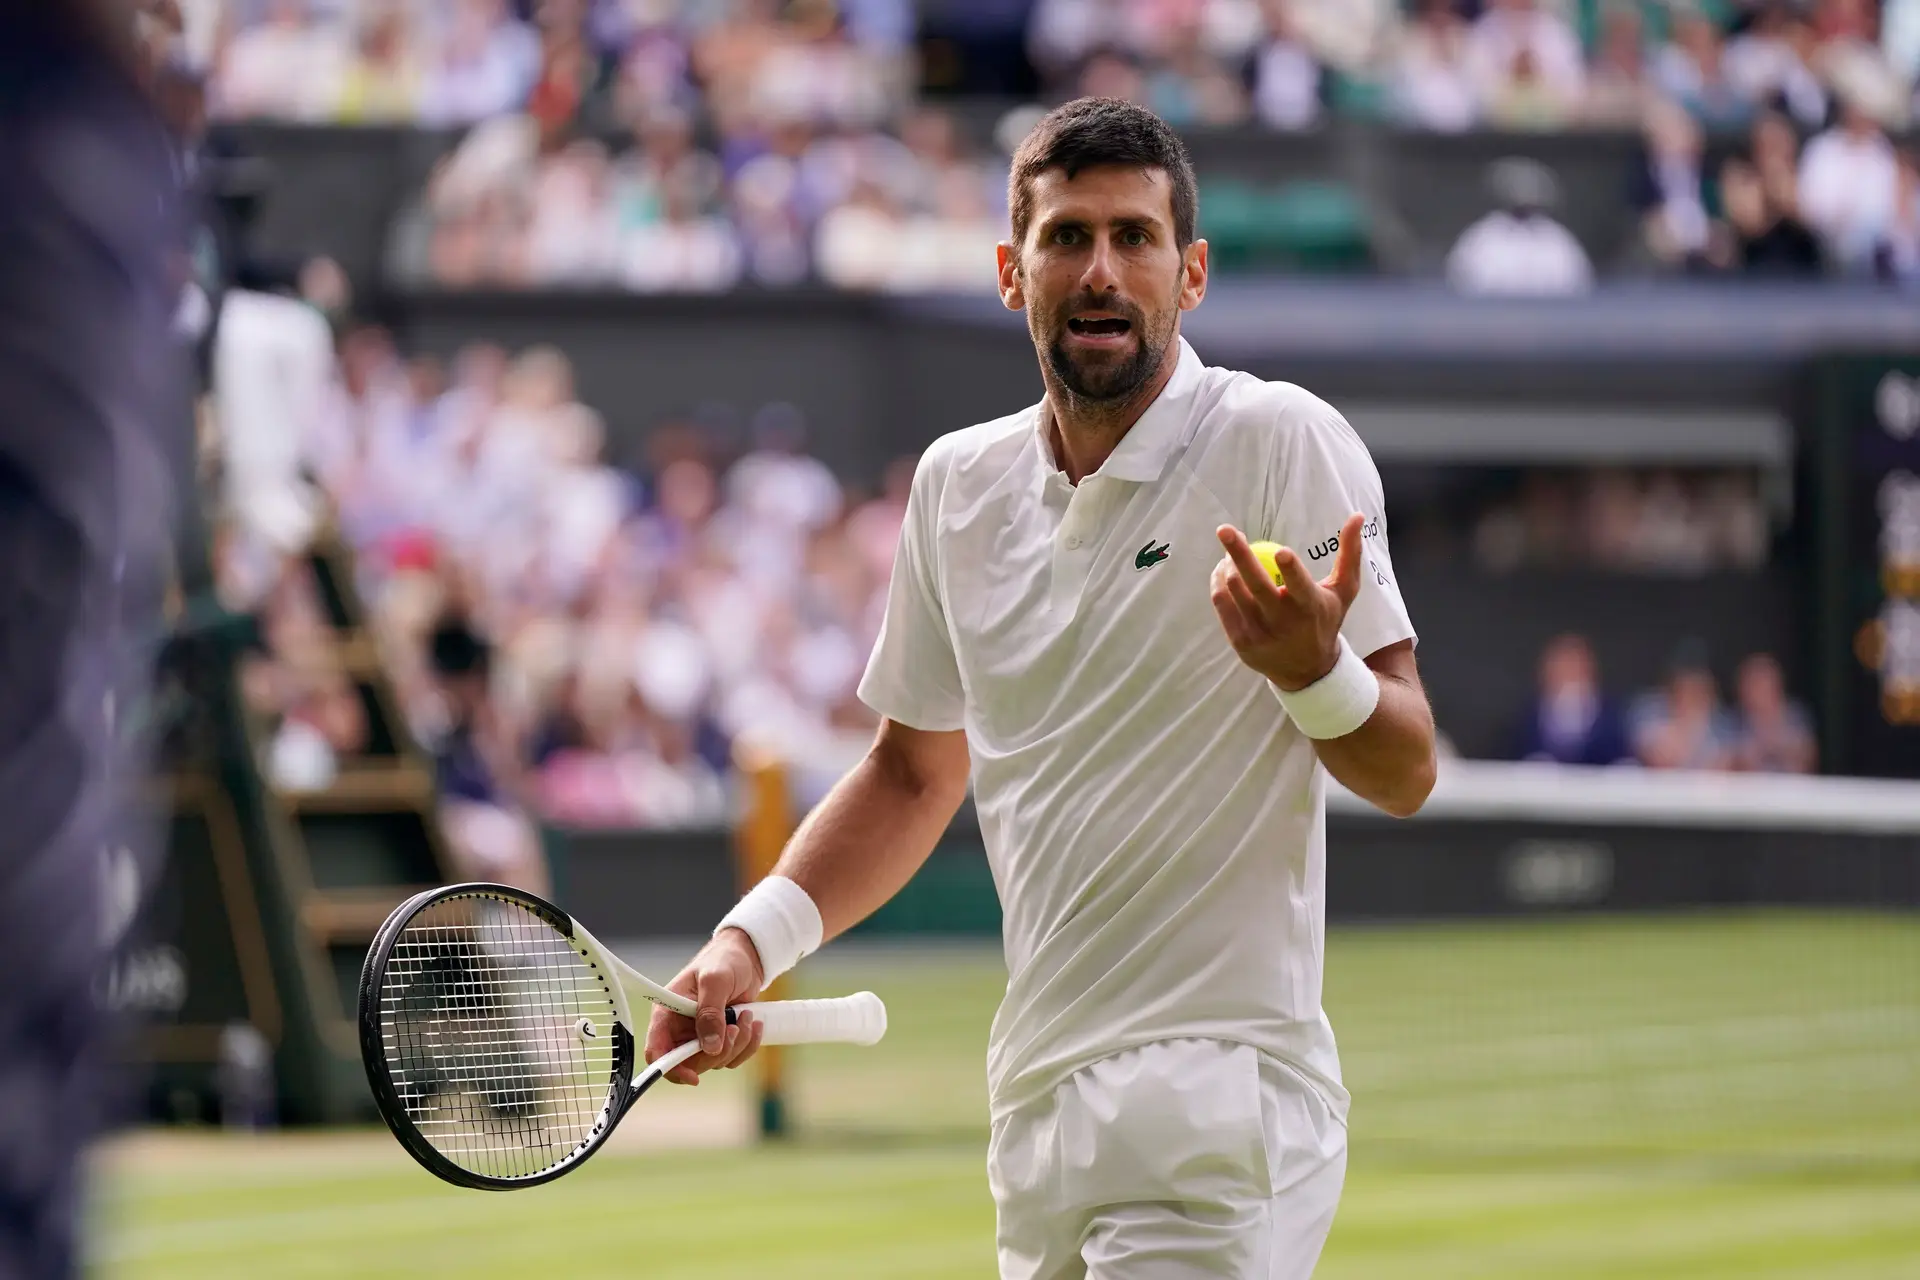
[
  {"x": 1774, "y": 733},
  {"x": 1572, "y": 721},
  {"x": 92, "y": 405},
  {"x": 1519, "y": 249},
  {"x": 1145, "y": 722}
]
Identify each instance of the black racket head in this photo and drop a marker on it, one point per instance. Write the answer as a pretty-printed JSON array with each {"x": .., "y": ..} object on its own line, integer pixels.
[{"x": 492, "y": 1042}]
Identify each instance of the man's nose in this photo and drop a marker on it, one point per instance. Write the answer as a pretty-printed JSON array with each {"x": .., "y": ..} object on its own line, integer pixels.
[{"x": 1100, "y": 276}]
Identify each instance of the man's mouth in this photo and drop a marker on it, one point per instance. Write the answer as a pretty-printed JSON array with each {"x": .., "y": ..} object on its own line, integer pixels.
[{"x": 1099, "y": 326}]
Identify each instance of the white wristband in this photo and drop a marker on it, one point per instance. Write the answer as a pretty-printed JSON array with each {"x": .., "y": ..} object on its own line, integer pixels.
[
  {"x": 783, "y": 922},
  {"x": 1337, "y": 703}
]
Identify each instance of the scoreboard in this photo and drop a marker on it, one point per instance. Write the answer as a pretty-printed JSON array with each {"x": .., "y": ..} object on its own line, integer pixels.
[{"x": 1865, "y": 449}]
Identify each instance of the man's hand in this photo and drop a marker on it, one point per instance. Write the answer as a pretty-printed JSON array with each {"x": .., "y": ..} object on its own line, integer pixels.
[
  {"x": 725, "y": 972},
  {"x": 1290, "y": 634}
]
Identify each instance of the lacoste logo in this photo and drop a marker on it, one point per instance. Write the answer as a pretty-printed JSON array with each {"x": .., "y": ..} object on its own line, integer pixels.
[{"x": 1151, "y": 555}]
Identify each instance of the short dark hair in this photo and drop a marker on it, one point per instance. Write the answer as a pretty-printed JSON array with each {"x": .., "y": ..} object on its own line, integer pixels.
[
  {"x": 455, "y": 649},
  {"x": 1089, "y": 132}
]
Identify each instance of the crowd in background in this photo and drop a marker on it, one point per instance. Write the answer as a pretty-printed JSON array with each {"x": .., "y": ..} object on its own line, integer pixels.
[
  {"x": 669, "y": 145},
  {"x": 631, "y": 622},
  {"x": 1684, "y": 724},
  {"x": 586, "y": 637},
  {"x": 1665, "y": 522},
  {"x": 1438, "y": 64}
]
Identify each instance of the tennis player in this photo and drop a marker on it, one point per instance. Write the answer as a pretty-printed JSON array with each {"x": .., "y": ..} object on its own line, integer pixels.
[{"x": 1078, "y": 624}]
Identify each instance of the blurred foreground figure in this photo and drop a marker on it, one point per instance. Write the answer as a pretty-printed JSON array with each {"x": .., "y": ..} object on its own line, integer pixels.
[{"x": 88, "y": 396}]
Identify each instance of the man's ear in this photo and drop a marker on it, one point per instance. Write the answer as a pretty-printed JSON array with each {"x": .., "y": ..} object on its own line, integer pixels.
[
  {"x": 1193, "y": 280},
  {"x": 1011, "y": 294}
]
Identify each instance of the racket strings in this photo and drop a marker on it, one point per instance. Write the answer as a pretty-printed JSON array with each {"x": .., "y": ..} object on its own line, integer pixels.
[{"x": 498, "y": 1036}]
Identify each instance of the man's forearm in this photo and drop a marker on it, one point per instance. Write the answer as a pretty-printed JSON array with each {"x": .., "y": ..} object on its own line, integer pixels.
[
  {"x": 1389, "y": 760},
  {"x": 863, "y": 843}
]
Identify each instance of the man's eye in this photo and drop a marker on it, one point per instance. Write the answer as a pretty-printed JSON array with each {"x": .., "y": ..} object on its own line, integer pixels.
[
  {"x": 1067, "y": 235},
  {"x": 1133, "y": 237}
]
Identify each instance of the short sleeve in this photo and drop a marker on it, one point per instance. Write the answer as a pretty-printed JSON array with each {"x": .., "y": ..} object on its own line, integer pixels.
[
  {"x": 1325, "y": 475},
  {"x": 912, "y": 676}
]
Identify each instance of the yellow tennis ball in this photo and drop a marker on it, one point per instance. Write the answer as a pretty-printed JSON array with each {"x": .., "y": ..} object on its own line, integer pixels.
[{"x": 1267, "y": 553}]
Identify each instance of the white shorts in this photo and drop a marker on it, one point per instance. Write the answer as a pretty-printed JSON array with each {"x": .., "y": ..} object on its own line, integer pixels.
[{"x": 1183, "y": 1158}]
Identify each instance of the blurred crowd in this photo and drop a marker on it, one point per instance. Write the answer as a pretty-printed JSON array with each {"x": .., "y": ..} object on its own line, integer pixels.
[
  {"x": 1666, "y": 522},
  {"x": 694, "y": 145},
  {"x": 1849, "y": 199},
  {"x": 576, "y": 639},
  {"x": 1650, "y": 521},
  {"x": 1439, "y": 64},
  {"x": 859, "y": 209},
  {"x": 1685, "y": 724}
]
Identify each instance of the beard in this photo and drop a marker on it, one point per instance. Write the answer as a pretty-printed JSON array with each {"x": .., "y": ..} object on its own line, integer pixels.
[{"x": 1097, "y": 377}]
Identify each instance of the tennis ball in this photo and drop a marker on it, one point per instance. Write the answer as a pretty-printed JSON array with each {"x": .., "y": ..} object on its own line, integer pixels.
[{"x": 1267, "y": 552}]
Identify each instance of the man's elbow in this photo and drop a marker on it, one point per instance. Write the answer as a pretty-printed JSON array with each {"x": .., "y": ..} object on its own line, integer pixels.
[{"x": 1414, "y": 786}]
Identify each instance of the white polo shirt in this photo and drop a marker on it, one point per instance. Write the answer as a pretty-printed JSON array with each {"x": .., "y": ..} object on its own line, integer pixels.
[{"x": 1155, "y": 824}]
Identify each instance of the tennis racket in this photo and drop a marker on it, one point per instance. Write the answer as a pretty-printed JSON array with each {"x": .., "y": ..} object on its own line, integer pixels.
[{"x": 500, "y": 1037}]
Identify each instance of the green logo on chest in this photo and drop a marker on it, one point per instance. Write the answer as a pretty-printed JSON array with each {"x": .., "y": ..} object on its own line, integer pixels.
[{"x": 1151, "y": 555}]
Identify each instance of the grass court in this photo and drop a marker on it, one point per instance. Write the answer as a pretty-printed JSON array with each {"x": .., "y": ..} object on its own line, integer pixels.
[{"x": 1731, "y": 1095}]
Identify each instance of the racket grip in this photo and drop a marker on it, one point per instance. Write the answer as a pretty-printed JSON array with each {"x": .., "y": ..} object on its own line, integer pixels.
[{"x": 854, "y": 1019}]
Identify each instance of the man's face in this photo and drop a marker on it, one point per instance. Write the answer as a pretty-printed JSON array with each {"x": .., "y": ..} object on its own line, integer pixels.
[{"x": 1102, "y": 279}]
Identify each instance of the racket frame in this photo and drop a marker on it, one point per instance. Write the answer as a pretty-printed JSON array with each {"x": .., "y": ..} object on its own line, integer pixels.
[
  {"x": 857, "y": 1019},
  {"x": 614, "y": 976}
]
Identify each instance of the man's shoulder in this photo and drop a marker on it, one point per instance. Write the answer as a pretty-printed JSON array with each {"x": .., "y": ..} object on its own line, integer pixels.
[
  {"x": 1245, "y": 409},
  {"x": 985, "y": 449}
]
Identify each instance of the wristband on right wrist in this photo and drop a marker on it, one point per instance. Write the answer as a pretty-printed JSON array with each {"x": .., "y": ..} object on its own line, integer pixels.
[
  {"x": 781, "y": 920},
  {"x": 1337, "y": 703}
]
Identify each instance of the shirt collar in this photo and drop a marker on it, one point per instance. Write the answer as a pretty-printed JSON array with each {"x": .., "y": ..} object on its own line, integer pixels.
[{"x": 1143, "y": 452}]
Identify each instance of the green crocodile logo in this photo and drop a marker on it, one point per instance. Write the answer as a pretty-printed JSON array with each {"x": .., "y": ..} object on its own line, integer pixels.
[{"x": 1151, "y": 555}]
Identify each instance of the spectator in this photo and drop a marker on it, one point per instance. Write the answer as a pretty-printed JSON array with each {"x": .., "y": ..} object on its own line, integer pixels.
[
  {"x": 873, "y": 530},
  {"x": 1519, "y": 249},
  {"x": 774, "y": 208},
  {"x": 950, "y": 248},
  {"x": 1670, "y": 191},
  {"x": 288, "y": 67},
  {"x": 569, "y": 68},
  {"x": 1761, "y": 239},
  {"x": 814, "y": 72},
  {"x": 1063, "y": 34},
  {"x": 1900, "y": 254},
  {"x": 1286, "y": 91},
  {"x": 1524, "y": 100},
  {"x": 1190, "y": 85},
  {"x": 570, "y": 231},
  {"x": 1775, "y": 151},
  {"x": 1617, "y": 90},
  {"x": 1849, "y": 57},
  {"x": 476, "y": 767},
  {"x": 856, "y": 241},
  {"x": 1527, "y": 58},
  {"x": 1571, "y": 720},
  {"x": 778, "y": 484},
  {"x": 684, "y": 250},
  {"x": 1432, "y": 81},
  {"x": 488, "y": 62},
  {"x": 1692, "y": 70},
  {"x": 665, "y": 153},
  {"x": 1113, "y": 75},
  {"x": 1775, "y": 734},
  {"x": 653, "y": 71},
  {"x": 1849, "y": 182},
  {"x": 1684, "y": 726},
  {"x": 383, "y": 82},
  {"x": 1765, "y": 65}
]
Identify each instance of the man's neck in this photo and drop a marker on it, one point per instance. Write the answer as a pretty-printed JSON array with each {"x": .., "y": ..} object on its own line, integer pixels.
[{"x": 1084, "y": 433}]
